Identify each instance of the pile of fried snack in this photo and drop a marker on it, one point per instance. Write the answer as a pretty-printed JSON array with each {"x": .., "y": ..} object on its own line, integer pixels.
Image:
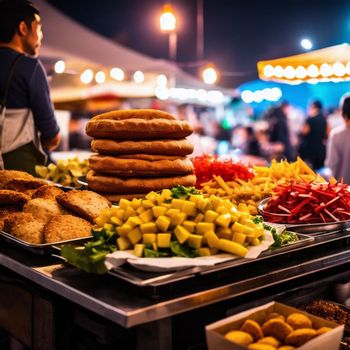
[
  {"x": 139, "y": 151},
  {"x": 38, "y": 213},
  {"x": 276, "y": 332}
]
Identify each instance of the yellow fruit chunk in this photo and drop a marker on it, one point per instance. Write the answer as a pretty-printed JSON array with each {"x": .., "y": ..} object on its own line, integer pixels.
[
  {"x": 223, "y": 220},
  {"x": 199, "y": 217},
  {"x": 172, "y": 212},
  {"x": 140, "y": 210},
  {"x": 177, "y": 203},
  {"x": 108, "y": 227},
  {"x": 181, "y": 234},
  {"x": 136, "y": 203},
  {"x": 116, "y": 221},
  {"x": 163, "y": 240},
  {"x": 203, "y": 227},
  {"x": 190, "y": 226},
  {"x": 194, "y": 241},
  {"x": 124, "y": 204},
  {"x": 123, "y": 243},
  {"x": 146, "y": 216},
  {"x": 237, "y": 227},
  {"x": 225, "y": 233},
  {"x": 204, "y": 252},
  {"x": 134, "y": 221},
  {"x": 189, "y": 208},
  {"x": 124, "y": 230},
  {"x": 210, "y": 216},
  {"x": 149, "y": 238},
  {"x": 151, "y": 195},
  {"x": 129, "y": 212},
  {"x": 146, "y": 203},
  {"x": 211, "y": 239},
  {"x": 138, "y": 250},
  {"x": 232, "y": 247},
  {"x": 203, "y": 204},
  {"x": 158, "y": 211},
  {"x": 148, "y": 227},
  {"x": 178, "y": 219},
  {"x": 239, "y": 237},
  {"x": 135, "y": 235},
  {"x": 163, "y": 223}
]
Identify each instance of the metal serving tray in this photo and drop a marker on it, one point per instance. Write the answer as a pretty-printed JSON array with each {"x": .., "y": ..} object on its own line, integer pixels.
[
  {"x": 310, "y": 229},
  {"x": 142, "y": 278},
  {"x": 40, "y": 249}
]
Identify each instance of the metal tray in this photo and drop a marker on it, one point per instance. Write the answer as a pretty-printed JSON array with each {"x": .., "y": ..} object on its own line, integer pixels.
[
  {"x": 40, "y": 249},
  {"x": 142, "y": 278},
  {"x": 311, "y": 229},
  {"x": 82, "y": 181}
]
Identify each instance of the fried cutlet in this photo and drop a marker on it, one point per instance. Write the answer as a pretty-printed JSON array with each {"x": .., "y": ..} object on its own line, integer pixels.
[
  {"x": 5, "y": 211},
  {"x": 65, "y": 227},
  {"x": 25, "y": 227},
  {"x": 7, "y": 175},
  {"x": 13, "y": 197},
  {"x": 22, "y": 185},
  {"x": 47, "y": 192},
  {"x": 85, "y": 203},
  {"x": 43, "y": 209}
]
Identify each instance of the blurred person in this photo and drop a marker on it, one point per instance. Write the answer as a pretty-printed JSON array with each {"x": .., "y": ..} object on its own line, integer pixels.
[
  {"x": 338, "y": 146},
  {"x": 312, "y": 147},
  {"x": 252, "y": 143},
  {"x": 334, "y": 119},
  {"x": 27, "y": 121},
  {"x": 279, "y": 138}
]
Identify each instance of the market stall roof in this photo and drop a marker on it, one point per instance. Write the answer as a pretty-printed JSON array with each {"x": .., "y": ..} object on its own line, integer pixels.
[{"x": 324, "y": 65}]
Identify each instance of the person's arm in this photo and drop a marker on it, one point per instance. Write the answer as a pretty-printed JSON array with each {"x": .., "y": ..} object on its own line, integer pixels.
[
  {"x": 305, "y": 130},
  {"x": 41, "y": 105}
]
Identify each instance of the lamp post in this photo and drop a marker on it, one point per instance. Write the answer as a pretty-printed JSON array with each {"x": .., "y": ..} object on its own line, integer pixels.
[{"x": 168, "y": 24}]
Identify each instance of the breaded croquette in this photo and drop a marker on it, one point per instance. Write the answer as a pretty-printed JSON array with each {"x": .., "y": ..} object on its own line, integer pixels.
[
  {"x": 87, "y": 204},
  {"x": 276, "y": 328},
  {"x": 13, "y": 197},
  {"x": 43, "y": 209},
  {"x": 7, "y": 175},
  {"x": 47, "y": 192},
  {"x": 300, "y": 336},
  {"x": 286, "y": 347},
  {"x": 65, "y": 227},
  {"x": 298, "y": 320},
  {"x": 323, "y": 330},
  {"x": 22, "y": 185},
  {"x": 258, "y": 346},
  {"x": 239, "y": 337},
  {"x": 26, "y": 227},
  {"x": 272, "y": 315},
  {"x": 253, "y": 328},
  {"x": 270, "y": 341}
]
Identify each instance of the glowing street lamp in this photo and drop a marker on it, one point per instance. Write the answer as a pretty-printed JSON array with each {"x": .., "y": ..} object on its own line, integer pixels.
[
  {"x": 210, "y": 75},
  {"x": 306, "y": 44},
  {"x": 168, "y": 24}
]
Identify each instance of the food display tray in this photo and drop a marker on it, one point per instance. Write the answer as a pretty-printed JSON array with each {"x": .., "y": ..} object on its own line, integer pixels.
[
  {"x": 40, "y": 249},
  {"x": 155, "y": 280}
]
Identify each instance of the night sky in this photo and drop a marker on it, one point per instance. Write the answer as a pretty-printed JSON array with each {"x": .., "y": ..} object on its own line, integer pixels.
[{"x": 237, "y": 33}]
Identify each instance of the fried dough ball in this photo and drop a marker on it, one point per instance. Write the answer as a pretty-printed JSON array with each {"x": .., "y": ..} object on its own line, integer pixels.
[
  {"x": 27, "y": 228},
  {"x": 286, "y": 347},
  {"x": 298, "y": 320},
  {"x": 272, "y": 315},
  {"x": 258, "y": 346},
  {"x": 43, "y": 209},
  {"x": 253, "y": 328},
  {"x": 270, "y": 341},
  {"x": 239, "y": 337},
  {"x": 65, "y": 227},
  {"x": 323, "y": 330},
  {"x": 276, "y": 328},
  {"x": 300, "y": 336}
]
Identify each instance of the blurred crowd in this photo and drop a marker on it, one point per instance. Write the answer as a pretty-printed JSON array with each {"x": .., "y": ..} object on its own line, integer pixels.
[{"x": 283, "y": 131}]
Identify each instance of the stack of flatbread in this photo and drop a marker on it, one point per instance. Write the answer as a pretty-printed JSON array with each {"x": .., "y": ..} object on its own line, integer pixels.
[{"x": 138, "y": 151}]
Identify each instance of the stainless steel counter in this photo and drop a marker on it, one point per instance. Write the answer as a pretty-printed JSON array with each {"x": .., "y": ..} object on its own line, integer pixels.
[{"x": 110, "y": 298}]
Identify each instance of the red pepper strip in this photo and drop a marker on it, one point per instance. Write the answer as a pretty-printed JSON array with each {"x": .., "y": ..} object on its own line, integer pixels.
[
  {"x": 330, "y": 195},
  {"x": 322, "y": 217},
  {"x": 298, "y": 207}
]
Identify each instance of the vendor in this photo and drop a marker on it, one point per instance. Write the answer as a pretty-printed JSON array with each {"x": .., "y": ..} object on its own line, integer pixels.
[{"x": 28, "y": 128}]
